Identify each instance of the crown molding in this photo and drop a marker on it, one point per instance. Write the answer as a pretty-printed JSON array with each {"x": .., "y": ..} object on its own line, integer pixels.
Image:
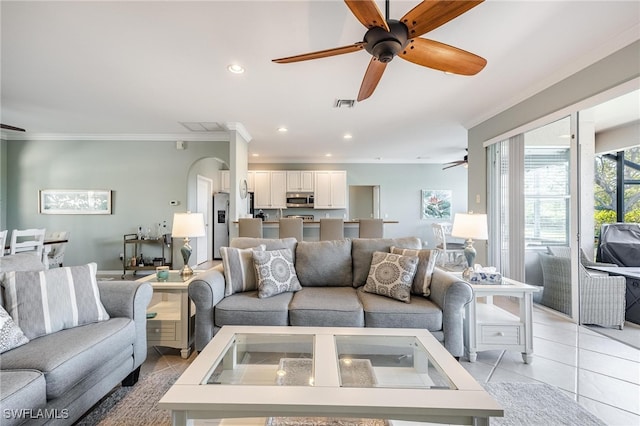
[{"x": 206, "y": 137}]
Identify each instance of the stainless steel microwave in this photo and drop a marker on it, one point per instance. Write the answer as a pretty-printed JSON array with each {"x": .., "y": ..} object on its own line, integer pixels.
[{"x": 300, "y": 199}]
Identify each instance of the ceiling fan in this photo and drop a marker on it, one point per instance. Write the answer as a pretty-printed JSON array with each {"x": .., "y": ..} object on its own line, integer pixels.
[
  {"x": 7, "y": 127},
  {"x": 387, "y": 38},
  {"x": 463, "y": 162}
]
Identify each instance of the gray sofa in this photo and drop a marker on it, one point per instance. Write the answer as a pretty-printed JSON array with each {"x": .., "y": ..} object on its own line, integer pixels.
[
  {"x": 56, "y": 378},
  {"x": 332, "y": 275}
]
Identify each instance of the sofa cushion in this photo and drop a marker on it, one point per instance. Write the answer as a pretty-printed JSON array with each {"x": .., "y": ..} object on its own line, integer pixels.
[
  {"x": 324, "y": 263},
  {"x": 239, "y": 273},
  {"x": 380, "y": 311},
  {"x": 426, "y": 264},
  {"x": 247, "y": 309},
  {"x": 10, "y": 334},
  {"x": 362, "y": 250},
  {"x": 326, "y": 307},
  {"x": 391, "y": 275},
  {"x": 20, "y": 390},
  {"x": 67, "y": 357},
  {"x": 275, "y": 272},
  {"x": 269, "y": 243},
  {"x": 43, "y": 302}
]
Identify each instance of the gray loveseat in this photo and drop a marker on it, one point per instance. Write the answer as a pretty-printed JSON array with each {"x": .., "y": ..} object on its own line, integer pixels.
[
  {"x": 332, "y": 275},
  {"x": 56, "y": 378}
]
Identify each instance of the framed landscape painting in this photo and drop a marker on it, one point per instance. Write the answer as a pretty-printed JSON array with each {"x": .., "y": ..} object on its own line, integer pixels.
[
  {"x": 74, "y": 201},
  {"x": 436, "y": 204}
]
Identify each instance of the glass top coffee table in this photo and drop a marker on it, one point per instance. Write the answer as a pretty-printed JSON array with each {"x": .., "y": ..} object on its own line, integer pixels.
[{"x": 279, "y": 376}]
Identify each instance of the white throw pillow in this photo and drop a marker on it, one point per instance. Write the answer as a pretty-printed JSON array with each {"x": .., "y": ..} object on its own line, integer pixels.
[{"x": 239, "y": 273}]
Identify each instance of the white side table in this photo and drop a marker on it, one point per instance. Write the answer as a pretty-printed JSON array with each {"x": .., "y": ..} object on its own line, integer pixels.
[
  {"x": 487, "y": 327},
  {"x": 172, "y": 325}
]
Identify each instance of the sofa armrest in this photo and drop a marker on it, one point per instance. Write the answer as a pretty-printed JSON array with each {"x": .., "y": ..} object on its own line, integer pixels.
[
  {"x": 206, "y": 290},
  {"x": 129, "y": 299},
  {"x": 451, "y": 294}
]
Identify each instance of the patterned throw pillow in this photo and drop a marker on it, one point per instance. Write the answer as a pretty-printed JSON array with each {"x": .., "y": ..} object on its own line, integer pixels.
[
  {"x": 426, "y": 264},
  {"x": 10, "y": 334},
  {"x": 275, "y": 271},
  {"x": 239, "y": 274},
  {"x": 43, "y": 302},
  {"x": 391, "y": 275}
]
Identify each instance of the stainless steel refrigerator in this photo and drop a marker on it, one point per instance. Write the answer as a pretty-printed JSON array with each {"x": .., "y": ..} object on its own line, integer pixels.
[{"x": 220, "y": 223}]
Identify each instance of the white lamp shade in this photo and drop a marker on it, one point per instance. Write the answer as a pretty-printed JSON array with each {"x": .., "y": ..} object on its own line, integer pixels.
[
  {"x": 473, "y": 226},
  {"x": 186, "y": 225}
]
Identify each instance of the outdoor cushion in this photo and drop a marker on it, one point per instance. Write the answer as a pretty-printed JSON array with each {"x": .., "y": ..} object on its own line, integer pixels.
[
  {"x": 380, "y": 311},
  {"x": 247, "y": 309},
  {"x": 324, "y": 263},
  {"x": 326, "y": 307},
  {"x": 66, "y": 356},
  {"x": 362, "y": 251},
  {"x": 43, "y": 302}
]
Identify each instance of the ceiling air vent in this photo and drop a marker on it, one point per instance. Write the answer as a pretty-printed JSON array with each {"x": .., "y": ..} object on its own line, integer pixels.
[
  {"x": 344, "y": 103},
  {"x": 203, "y": 126}
]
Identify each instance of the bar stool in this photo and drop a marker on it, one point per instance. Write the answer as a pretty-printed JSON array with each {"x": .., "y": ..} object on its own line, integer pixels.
[
  {"x": 250, "y": 227},
  {"x": 331, "y": 229},
  {"x": 290, "y": 227},
  {"x": 370, "y": 228}
]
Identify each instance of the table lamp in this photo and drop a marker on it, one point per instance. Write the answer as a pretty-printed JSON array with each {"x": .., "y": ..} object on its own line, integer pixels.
[
  {"x": 470, "y": 227},
  {"x": 187, "y": 225}
]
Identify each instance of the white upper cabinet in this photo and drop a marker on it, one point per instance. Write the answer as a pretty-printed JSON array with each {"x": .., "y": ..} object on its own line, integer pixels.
[
  {"x": 224, "y": 181},
  {"x": 270, "y": 189},
  {"x": 251, "y": 176},
  {"x": 330, "y": 189},
  {"x": 300, "y": 181}
]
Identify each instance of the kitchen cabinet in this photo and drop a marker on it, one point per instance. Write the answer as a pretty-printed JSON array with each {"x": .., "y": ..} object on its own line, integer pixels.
[
  {"x": 251, "y": 177},
  {"x": 225, "y": 184},
  {"x": 330, "y": 189},
  {"x": 300, "y": 181},
  {"x": 270, "y": 189}
]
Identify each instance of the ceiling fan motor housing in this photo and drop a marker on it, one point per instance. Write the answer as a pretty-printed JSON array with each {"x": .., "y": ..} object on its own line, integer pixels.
[{"x": 384, "y": 45}]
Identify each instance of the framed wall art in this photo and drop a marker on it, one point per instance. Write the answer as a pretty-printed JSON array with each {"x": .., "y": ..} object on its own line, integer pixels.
[
  {"x": 74, "y": 201},
  {"x": 436, "y": 204}
]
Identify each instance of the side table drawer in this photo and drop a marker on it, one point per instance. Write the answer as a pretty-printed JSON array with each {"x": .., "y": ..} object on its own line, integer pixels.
[
  {"x": 161, "y": 330},
  {"x": 500, "y": 334}
]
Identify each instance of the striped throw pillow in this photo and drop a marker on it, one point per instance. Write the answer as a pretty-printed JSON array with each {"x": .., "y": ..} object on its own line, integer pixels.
[
  {"x": 239, "y": 274},
  {"x": 43, "y": 302},
  {"x": 426, "y": 264}
]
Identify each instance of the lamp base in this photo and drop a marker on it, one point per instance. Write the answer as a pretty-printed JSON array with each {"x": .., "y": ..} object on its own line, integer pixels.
[
  {"x": 185, "y": 250},
  {"x": 470, "y": 255}
]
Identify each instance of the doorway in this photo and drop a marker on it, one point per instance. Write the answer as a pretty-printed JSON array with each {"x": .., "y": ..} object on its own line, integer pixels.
[
  {"x": 204, "y": 190},
  {"x": 364, "y": 201}
]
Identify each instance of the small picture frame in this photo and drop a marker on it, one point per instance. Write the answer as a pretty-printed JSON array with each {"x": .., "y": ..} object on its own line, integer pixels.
[{"x": 74, "y": 201}]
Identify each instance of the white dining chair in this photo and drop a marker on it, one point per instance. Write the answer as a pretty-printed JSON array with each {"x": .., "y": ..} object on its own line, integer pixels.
[
  {"x": 55, "y": 252},
  {"x": 449, "y": 252},
  {"x": 3, "y": 241},
  {"x": 27, "y": 240}
]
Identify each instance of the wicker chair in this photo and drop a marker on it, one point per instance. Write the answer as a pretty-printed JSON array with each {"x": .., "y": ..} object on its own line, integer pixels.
[{"x": 602, "y": 298}]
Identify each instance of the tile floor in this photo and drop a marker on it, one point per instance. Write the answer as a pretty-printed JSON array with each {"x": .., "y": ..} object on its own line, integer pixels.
[{"x": 602, "y": 374}]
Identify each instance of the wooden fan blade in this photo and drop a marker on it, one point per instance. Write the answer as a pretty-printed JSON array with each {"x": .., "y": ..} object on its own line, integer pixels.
[
  {"x": 443, "y": 57},
  {"x": 321, "y": 53},
  {"x": 371, "y": 78},
  {"x": 431, "y": 14},
  {"x": 7, "y": 127},
  {"x": 367, "y": 12}
]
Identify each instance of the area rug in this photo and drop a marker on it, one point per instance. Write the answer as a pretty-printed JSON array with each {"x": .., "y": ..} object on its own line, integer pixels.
[{"x": 525, "y": 404}]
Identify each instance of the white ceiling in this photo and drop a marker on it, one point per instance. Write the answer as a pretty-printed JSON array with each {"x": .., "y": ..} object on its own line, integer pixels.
[{"x": 138, "y": 69}]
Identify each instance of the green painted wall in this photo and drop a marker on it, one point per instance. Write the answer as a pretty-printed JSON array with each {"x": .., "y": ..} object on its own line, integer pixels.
[{"x": 143, "y": 175}]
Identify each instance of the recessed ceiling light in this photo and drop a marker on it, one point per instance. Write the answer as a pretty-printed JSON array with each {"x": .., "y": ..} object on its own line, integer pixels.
[
  {"x": 282, "y": 129},
  {"x": 255, "y": 155},
  {"x": 235, "y": 68},
  {"x": 328, "y": 155},
  {"x": 348, "y": 136}
]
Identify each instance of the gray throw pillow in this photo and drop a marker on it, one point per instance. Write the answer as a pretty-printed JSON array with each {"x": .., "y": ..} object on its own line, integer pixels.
[
  {"x": 391, "y": 275},
  {"x": 275, "y": 272},
  {"x": 426, "y": 264},
  {"x": 43, "y": 302},
  {"x": 10, "y": 334},
  {"x": 324, "y": 263},
  {"x": 239, "y": 273}
]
